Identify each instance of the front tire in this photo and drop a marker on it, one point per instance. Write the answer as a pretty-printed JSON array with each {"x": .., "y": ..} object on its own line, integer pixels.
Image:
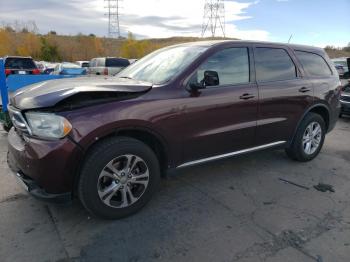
[
  {"x": 118, "y": 178},
  {"x": 309, "y": 138}
]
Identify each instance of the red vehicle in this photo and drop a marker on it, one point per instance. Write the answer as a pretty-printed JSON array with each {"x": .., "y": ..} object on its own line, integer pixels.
[
  {"x": 20, "y": 65},
  {"x": 109, "y": 140}
]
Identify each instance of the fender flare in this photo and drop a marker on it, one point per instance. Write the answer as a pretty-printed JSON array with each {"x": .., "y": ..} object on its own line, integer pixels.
[{"x": 303, "y": 116}]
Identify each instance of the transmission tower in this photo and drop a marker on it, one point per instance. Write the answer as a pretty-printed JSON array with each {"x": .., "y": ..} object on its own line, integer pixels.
[
  {"x": 214, "y": 17},
  {"x": 113, "y": 8}
]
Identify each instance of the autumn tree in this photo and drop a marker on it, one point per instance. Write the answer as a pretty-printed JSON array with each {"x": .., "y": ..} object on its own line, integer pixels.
[
  {"x": 5, "y": 42},
  {"x": 29, "y": 46},
  {"x": 132, "y": 48}
]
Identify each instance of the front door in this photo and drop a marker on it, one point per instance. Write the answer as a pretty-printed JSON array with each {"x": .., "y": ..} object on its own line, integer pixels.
[{"x": 221, "y": 118}]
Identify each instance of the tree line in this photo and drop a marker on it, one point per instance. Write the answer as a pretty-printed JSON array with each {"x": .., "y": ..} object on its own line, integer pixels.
[{"x": 23, "y": 39}]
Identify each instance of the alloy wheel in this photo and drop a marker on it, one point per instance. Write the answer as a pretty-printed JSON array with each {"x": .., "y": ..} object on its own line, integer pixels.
[
  {"x": 312, "y": 138},
  {"x": 123, "y": 181}
]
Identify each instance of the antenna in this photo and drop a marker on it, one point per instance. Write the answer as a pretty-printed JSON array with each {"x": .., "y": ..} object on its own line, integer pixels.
[
  {"x": 113, "y": 7},
  {"x": 214, "y": 17},
  {"x": 290, "y": 38}
]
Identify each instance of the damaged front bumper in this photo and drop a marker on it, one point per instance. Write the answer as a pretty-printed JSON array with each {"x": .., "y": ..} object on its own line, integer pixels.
[{"x": 30, "y": 186}]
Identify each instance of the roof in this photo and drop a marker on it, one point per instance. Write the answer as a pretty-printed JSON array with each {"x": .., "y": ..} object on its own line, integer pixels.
[
  {"x": 219, "y": 42},
  {"x": 14, "y": 56}
]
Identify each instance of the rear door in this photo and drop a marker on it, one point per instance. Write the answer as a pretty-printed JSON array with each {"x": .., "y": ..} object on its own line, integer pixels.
[
  {"x": 221, "y": 118},
  {"x": 284, "y": 93}
]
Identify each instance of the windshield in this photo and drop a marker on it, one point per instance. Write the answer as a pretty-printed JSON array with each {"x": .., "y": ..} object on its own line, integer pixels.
[{"x": 161, "y": 66}]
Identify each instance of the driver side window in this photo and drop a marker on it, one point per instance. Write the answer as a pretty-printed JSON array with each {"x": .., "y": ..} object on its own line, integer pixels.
[{"x": 231, "y": 66}]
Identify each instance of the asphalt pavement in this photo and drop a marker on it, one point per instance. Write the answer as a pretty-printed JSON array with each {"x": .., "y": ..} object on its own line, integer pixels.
[{"x": 236, "y": 209}]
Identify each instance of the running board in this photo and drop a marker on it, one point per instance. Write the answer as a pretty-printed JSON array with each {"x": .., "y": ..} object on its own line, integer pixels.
[{"x": 200, "y": 161}]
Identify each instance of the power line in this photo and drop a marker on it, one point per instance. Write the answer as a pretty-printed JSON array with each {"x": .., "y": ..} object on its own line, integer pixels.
[
  {"x": 214, "y": 17},
  {"x": 113, "y": 8}
]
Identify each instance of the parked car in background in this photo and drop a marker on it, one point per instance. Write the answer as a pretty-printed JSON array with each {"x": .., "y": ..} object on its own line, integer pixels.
[
  {"x": 67, "y": 68},
  {"x": 340, "y": 70},
  {"x": 107, "y": 65},
  {"x": 83, "y": 63},
  {"x": 40, "y": 65},
  {"x": 345, "y": 95},
  {"x": 109, "y": 139},
  {"x": 341, "y": 64},
  {"x": 20, "y": 65}
]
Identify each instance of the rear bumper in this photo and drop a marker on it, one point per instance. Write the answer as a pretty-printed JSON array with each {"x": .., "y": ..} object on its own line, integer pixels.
[{"x": 40, "y": 193}]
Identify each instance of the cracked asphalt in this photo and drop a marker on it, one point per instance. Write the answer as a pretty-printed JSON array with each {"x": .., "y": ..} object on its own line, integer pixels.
[{"x": 232, "y": 210}]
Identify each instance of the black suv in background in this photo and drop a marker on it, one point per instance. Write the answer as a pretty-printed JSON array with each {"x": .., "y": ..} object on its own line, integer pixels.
[{"x": 20, "y": 65}]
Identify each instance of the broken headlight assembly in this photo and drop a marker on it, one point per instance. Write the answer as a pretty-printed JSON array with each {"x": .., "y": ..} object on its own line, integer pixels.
[{"x": 48, "y": 125}]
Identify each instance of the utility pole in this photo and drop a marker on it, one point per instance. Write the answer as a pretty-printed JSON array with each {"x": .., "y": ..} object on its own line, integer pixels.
[
  {"x": 214, "y": 17},
  {"x": 113, "y": 8}
]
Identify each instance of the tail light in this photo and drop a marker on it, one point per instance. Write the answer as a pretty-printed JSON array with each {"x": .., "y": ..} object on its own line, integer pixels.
[
  {"x": 105, "y": 71},
  {"x": 7, "y": 72},
  {"x": 36, "y": 72}
]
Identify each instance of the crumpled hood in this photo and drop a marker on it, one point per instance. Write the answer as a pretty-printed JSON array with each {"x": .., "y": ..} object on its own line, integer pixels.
[{"x": 49, "y": 93}]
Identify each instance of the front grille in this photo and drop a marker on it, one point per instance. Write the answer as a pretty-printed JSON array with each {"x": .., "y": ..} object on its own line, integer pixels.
[{"x": 18, "y": 120}]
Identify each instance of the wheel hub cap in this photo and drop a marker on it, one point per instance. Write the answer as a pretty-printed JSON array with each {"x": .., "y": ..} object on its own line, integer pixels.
[
  {"x": 312, "y": 138},
  {"x": 123, "y": 181}
]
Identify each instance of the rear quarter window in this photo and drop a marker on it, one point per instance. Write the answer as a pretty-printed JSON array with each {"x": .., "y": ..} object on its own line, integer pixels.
[
  {"x": 313, "y": 64},
  {"x": 117, "y": 62},
  {"x": 19, "y": 63}
]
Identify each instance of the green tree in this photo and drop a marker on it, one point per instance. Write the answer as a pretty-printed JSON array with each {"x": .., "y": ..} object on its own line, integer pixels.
[{"x": 49, "y": 52}]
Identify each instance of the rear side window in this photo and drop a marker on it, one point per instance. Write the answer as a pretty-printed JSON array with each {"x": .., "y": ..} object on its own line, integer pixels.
[
  {"x": 19, "y": 63},
  {"x": 274, "y": 64},
  {"x": 313, "y": 64},
  {"x": 117, "y": 62}
]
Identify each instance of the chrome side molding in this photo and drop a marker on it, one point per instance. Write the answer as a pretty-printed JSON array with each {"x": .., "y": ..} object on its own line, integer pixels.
[{"x": 203, "y": 160}]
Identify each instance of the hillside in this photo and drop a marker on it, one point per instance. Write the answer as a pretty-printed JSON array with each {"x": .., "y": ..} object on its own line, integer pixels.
[{"x": 53, "y": 47}]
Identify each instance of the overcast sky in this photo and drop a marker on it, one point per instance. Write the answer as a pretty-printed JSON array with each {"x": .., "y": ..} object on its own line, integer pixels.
[{"x": 314, "y": 22}]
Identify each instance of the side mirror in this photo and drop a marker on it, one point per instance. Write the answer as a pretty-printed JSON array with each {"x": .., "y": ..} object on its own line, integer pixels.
[
  {"x": 196, "y": 86},
  {"x": 211, "y": 78}
]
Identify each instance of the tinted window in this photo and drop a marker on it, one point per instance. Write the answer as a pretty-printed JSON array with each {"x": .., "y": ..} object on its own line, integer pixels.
[
  {"x": 232, "y": 66},
  {"x": 274, "y": 64},
  {"x": 19, "y": 63},
  {"x": 117, "y": 62},
  {"x": 313, "y": 64}
]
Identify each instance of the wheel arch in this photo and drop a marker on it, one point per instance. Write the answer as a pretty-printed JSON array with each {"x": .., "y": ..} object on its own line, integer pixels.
[
  {"x": 320, "y": 109},
  {"x": 151, "y": 138}
]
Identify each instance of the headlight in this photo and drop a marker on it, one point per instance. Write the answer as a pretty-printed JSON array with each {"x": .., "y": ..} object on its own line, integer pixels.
[{"x": 48, "y": 125}]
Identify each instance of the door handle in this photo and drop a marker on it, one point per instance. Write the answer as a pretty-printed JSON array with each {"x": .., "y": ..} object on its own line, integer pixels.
[
  {"x": 246, "y": 96},
  {"x": 304, "y": 89}
]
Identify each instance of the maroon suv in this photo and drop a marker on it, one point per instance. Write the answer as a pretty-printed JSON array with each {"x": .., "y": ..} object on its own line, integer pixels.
[{"x": 108, "y": 140}]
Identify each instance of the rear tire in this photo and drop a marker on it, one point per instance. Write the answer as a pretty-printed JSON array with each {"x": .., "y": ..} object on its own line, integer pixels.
[
  {"x": 309, "y": 138},
  {"x": 124, "y": 166}
]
